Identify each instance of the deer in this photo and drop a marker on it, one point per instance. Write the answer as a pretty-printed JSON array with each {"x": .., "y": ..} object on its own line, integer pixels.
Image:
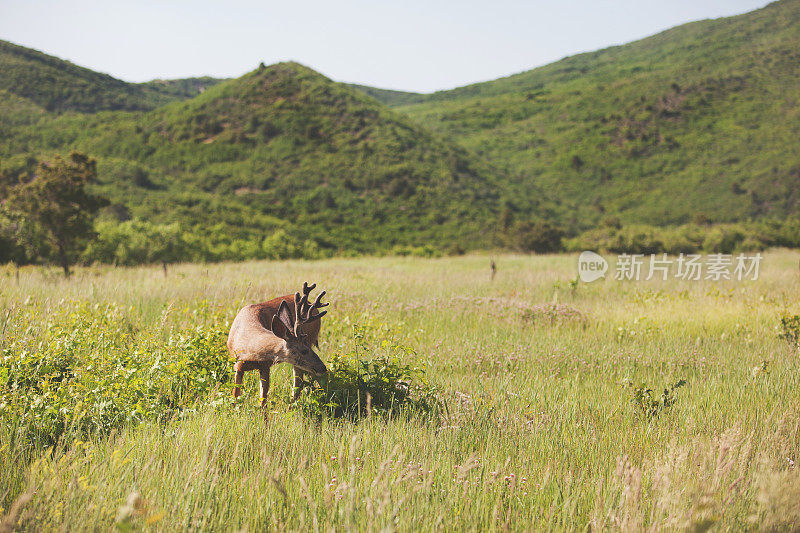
[{"x": 282, "y": 330}]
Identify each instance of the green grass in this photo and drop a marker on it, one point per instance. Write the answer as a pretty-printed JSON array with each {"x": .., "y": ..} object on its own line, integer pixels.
[{"x": 540, "y": 430}]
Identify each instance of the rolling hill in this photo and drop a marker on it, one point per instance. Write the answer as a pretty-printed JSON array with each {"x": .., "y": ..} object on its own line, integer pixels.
[
  {"x": 281, "y": 148},
  {"x": 702, "y": 118},
  {"x": 700, "y": 121},
  {"x": 57, "y": 85},
  {"x": 390, "y": 97}
]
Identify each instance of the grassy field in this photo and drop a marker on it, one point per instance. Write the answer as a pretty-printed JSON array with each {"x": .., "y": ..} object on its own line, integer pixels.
[{"x": 115, "y": 407}]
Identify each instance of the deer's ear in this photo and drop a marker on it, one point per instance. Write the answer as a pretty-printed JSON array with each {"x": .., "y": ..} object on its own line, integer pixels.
[
  {"x": 282, "y": 322},
  {"x": 278, "y": 328}
]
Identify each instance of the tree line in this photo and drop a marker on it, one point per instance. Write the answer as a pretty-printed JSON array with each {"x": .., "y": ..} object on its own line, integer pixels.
[{"x": 51, "y": 216}]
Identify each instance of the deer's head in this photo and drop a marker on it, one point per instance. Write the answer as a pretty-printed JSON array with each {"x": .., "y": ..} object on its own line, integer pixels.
[{"x": 287, "y": 326}]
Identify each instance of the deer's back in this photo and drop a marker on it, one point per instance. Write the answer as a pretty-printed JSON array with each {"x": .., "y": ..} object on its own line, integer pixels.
[{"x": 251, "y": 336}]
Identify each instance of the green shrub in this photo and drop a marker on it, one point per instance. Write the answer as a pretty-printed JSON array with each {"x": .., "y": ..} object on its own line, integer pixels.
[
  {"x": 136, "y": 242},
  {"x": 370, "y": 379},
  {"x": 790, "y": 329},
  {"x": 649, "y": 407},
  {"x": 426, "y": 250},
  {"x": 90, "y": 374},
  {"x": 723, "y": 240},
  {"x": 540, "y": 237}
]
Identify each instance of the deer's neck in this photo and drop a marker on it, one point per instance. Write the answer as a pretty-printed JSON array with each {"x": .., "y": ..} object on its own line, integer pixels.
[{"x": 280, "y": 350}]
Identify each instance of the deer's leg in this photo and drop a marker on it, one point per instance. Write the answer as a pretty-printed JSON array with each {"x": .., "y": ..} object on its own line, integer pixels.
[
  {"x": 238, "y": 380},
  {"x": 264, "y": 371},
  {"x": 298, "y": 383}
]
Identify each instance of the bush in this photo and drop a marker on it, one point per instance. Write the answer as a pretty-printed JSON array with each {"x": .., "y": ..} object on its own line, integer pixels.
[
  {"x": 90, "y": 375},
  {"x": 648, "y": 407},
  {"x": 136, "y": 242},
  {"x": 283, "y": 245},
  {"x": 370, "y": 379},
  {"x": 723, "y": 240},
  {"x": 426, "y": 250},
  {"x": 790, "y": 329},
  {"x": 456, "y": 249},
  {"x": 539, "y": 237}
]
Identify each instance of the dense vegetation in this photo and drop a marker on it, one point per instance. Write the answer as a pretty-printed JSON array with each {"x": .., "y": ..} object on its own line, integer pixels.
[
  {"x": 688, "y": 238},
  {"x": 281, "y": 149},
  {"x": 57, "y": 85},
  {"x": 702, "y": 118},
  {"x": 696, "y": 123}
]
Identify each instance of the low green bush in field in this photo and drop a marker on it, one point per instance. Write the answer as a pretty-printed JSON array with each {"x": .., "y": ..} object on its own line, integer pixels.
[
  {"x": 90, "y": 372},
  {"x": 369, "y": 378},
  {"x": 426, "y": 250},
  {"x": 790, "y": 329},
  {"x": 649, "y": 407},
  {"x": 360, "y": 388}
]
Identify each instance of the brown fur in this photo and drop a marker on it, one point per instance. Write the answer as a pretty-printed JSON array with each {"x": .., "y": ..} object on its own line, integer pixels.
[{"x": 256, "y": 347}]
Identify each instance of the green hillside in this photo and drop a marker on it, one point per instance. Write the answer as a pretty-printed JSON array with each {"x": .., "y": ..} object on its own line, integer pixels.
[
  {"x": 58, "y": 85},
  {"x": 696, "y": 123},
  {"x": 182, "y": 89},
  {"x": 390, "y": 97},
  {"x": 281, "y": 148},
  {"x": 703, "y": 118}
]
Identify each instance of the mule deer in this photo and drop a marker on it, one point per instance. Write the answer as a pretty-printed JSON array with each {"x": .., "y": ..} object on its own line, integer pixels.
[{"x": 281, "y": 330}]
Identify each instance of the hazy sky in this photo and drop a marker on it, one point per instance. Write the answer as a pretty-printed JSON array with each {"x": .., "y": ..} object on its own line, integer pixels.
[{"x": 413, "y": 45}]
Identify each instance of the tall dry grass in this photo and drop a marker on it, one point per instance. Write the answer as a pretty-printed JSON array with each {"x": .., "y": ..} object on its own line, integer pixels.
[{"x": 539, "y": 434}]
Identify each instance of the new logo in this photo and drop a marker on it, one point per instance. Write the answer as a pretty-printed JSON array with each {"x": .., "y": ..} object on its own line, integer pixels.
[{"x": 591, "y": 266}]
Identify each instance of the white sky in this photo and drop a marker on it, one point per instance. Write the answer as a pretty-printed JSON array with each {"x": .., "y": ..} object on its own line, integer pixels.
[{"x": 412, "y": 45}]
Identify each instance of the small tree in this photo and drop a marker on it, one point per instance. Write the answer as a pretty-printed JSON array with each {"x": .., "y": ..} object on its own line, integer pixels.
[{"x": 56, "y": 200}]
